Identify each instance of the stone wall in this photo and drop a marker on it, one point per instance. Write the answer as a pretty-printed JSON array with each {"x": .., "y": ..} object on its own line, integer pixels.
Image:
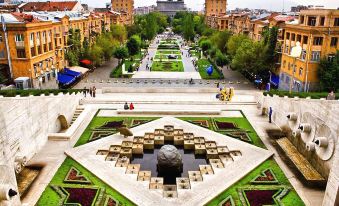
[
  {"x": 319, "y": 114},
  {"x": 26, "y": 121}
]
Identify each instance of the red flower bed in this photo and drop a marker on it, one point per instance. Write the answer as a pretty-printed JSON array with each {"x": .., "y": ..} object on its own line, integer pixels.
[
  {"x": 111, "y": 202},
  {"x": 202, "y": 123},
  {"x": 82, "y": 196},
  {"x": 112, "y": 125},
  {"x": 74, "y": 175},
  {"x": 260, "y": 197},
  {"x": 268, "y": 176},
  {"x": 137, "y": 122},
  {"x": 225, "y": 125},
  {"x": 227, "y": 203}
]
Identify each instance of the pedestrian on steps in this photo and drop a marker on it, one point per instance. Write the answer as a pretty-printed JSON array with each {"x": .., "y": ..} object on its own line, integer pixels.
[
  {"x": 94, "y": 91},
  {"x": 270, "y": 115},
  {"x": 131, "y": 106}
]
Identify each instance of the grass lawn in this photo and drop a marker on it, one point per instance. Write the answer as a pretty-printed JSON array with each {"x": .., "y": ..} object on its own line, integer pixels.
[
  {"x": 165, "y": 56},
  {"x": 168, "y": 66},
  {"x": 202, "y": 66},
  {"x": 50, "y": 197},
  {"x": 168, "y": 52},
  {"x": 117, "y": 72}
]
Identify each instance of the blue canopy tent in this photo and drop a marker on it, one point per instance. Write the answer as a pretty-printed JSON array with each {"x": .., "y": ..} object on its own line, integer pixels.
[
  {"x": 65, "y": 79},
  {"x": 71, "y": 73},
  {"x": 275, "y": 80}
]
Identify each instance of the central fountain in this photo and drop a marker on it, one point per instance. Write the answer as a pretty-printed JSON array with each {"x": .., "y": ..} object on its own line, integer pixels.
[{"x": 169, "y": 160}]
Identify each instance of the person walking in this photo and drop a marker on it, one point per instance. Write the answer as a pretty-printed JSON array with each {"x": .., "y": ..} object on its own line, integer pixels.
[
  {"x": 131, "y": 106},
  {"x": 84, "y": 91},
  {"x": 270, "y": 115},
  {"x": 90, "y": 91},
  {"x": 218, "y": 85},
  {"x": 126, "y": 107},
  {"x": 94, "y": 91}
]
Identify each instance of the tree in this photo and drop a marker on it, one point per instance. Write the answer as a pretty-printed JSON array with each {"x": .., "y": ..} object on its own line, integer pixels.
[
  {"x": 121, "y": 53},
  {"x": 133, "y": 45},
  {"x": 220, "y": 59},
  {"x": 249, "y": 56},
  {"x": 188, "y": 27},
  {"x": 234, "y": 43},
  {"x": 96, "y": 55},
  {"x": 328, "y": 73},
  {"x": 271, "y": 45},
  {"x": 220, "y": 39},
  {"x": 119, "y": 32},
  {"x": 72, "y": 58},
  {"x": 205, "y": 45},
  {"x": 107, "y": 44}
]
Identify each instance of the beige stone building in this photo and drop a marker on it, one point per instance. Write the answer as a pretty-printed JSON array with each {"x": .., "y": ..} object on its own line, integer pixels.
[{"x": 125, "y": 8}]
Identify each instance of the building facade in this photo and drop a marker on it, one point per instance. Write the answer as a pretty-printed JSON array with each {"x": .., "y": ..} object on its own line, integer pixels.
[
  {"x": 215, "y": 13},
  {"x": 38, "y": 42},
  {"x": 125, "y": 8},
  {"x": 318, "y": 33},
  {"x": 170, "y": 7}
]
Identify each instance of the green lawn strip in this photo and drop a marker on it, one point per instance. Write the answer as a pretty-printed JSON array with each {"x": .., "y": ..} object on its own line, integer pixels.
[
  {"x": 117, "y": 72},
  {"x": 160, "y": 51},
  {"x": 50, "y": 197},
  {"x": 99, "y": 121},
  {"x": 291, "y": 198},
  {"x": 168, "y": 66},
  {"x": 202, "y": 66}
]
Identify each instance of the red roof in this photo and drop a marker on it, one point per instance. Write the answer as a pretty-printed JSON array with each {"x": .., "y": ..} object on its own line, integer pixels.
[
  {"x": 49, "y": 6},
  {"x": 25, "y": 17},
  {"x": 284, "y": 18}
]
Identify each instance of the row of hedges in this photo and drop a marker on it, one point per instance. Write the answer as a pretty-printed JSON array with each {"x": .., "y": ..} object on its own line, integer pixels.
[
  {"x": 175, "y": 47},
  {"x": 35, "y": 92},
  {"x": 313, "y": 95}
]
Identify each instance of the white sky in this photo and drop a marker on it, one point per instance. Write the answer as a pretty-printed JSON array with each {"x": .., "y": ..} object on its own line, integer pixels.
[{"x": 276, "y": 5}]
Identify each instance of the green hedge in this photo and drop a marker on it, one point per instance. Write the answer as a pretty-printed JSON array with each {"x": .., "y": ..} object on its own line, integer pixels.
[
  {"x": 313, "y": 95},
  {"x": 35, "y": 92},
  {"x": 216, "y": 68}
]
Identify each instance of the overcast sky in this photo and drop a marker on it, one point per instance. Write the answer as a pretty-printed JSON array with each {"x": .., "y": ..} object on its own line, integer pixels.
[{"x": 276, "y": 5}]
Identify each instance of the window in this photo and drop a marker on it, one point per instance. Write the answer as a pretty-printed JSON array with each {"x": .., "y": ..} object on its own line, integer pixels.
[
  {"x": 0, "y": 37},
  {"x": 299, "y": 38},
  {"x": 301, "y": 71},
  {"x": 289, "y": 66},
  {"x": 287, "y": 50},
  {"x": 322, "y": 21},
  {"x": 293, "y": 37},
  {"x": 284, "y": 63},
  {"x": 334, "y": 41},
  {"x": 318, "y": 41},
  {"x": 19, "y": 37},
  {"x": 303, "y": 54},
  {"x": 288, "y": 35},
  {"x": 302, "y": 19},
  {"x": 33, "y": 52},
  {"x": 315, "y": 56},
  {"x": 311, "y": 20},
  {"x": 20, "y": 53},
  {"x": 305, "y": 41},
  {"x": 31, "y": 36},
  {"x": 2, "y": 54},
  {"x": 336, "y": 22}
]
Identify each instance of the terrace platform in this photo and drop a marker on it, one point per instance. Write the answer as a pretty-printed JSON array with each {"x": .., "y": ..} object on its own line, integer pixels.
[{"x": 166, "y": 75}]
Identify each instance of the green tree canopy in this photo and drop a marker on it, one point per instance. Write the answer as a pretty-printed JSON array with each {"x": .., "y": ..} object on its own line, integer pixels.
[
  {"x": 133, "y": 45},
  {"x": 119, "y": 32},
  {"x": 205, "y": 45},
  {"x": 234, "y": 43},
  {"x": 121, "y": 53},
  {"x": 328, "y": 73}
]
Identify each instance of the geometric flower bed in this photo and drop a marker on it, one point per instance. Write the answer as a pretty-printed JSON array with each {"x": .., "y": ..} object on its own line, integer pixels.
[
  {"x": 242, "y": 135},
  {"x": 77, "y": 196},
  {"x": 110, "y": 125},
  {"x": 201, "y": 123},
  {"x": 262, "y": 196},
  {"x": 266, "y": 177},
  {"x": 222, "y": 126},
  {"x": 110, "y": 201},
  {"x": 95, "y": 135},
  {"x": 228, "y": 201},
  {"x": 137, "y": 122},
  {"x": 75, "y": 176}
]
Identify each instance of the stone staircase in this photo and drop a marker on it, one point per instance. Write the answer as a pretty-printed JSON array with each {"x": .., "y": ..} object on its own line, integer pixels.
[{"x": 77, "y": 113}]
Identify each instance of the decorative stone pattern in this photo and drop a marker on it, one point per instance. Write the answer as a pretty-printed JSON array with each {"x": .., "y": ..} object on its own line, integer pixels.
[
  {"x": 217, "y": 155},
  {"x": 270, "y": 195},
  {"x": 228, "y": 201}
]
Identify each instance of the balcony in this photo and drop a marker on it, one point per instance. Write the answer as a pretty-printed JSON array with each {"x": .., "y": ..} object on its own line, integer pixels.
[
  {"x": 20, "y": 44},
  {"x": 57, "y": 35}
]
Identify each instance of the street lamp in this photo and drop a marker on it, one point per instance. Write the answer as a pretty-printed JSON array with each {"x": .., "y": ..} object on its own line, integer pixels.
[{"x": 295, "y": 53}]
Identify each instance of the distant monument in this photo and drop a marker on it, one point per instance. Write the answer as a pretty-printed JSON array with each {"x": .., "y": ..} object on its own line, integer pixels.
[{"x": 170, "y": 7}]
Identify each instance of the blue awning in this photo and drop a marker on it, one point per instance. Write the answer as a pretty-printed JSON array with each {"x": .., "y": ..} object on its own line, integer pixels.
[
  {"x": 65, "y": 79},
  {"x": 275, "y": 80},
  {"x": 71, "y": 73}
]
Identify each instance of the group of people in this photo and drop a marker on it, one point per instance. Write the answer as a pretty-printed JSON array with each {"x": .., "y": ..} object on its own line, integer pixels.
[
  {"x": 91, "y": 91},
  {"x": 128, "y": 107}
]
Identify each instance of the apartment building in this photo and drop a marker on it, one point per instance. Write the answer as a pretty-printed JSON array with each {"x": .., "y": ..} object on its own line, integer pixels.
[
  {"x": 318, "y": 32},
  {"x": 215, "y": 10},
  {"x": 38, "y": 41},
  {"x": 125, "y": 8}
]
